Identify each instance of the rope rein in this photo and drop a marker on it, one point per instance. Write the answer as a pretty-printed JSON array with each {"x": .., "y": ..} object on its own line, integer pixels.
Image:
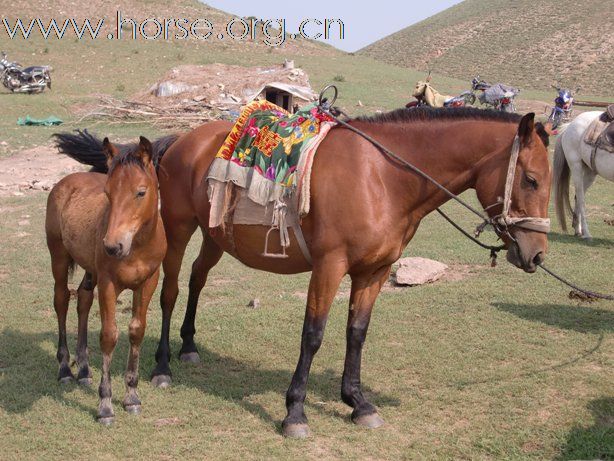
[{"x": 501, "y": 223}]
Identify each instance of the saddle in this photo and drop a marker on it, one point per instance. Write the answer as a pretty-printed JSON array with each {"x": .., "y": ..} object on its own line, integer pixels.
[
  {"x": 608, "y": 117},
  {"x": 600, "y": 134}
]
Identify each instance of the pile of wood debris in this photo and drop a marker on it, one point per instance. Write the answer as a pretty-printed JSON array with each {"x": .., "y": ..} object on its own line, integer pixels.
[{"x": 189, "y": 95}]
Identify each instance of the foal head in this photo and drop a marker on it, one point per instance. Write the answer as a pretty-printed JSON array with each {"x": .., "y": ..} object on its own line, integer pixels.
[
  {"x": 132, "y": 191},
  {"x": 530, "y": 194}
]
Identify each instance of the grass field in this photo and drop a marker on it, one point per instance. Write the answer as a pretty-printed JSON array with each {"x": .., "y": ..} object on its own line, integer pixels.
[
  {"x": 491, "y": 363},
  {"x": 497, "y": 365}
]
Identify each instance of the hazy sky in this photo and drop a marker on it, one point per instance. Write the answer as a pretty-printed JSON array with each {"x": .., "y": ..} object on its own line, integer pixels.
[{"x": 363, "y": 24}]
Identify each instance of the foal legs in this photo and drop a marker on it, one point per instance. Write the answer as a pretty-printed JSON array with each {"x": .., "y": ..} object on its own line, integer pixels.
[
  {"x": 210, "y": 254},
  {"x": 140, "y": 302},
  {"x": 60, "y": 264},
  {"x": 324, "y": 283},
  {"x": 85, "y": 298},
  {"x": 365, "y": 288},
  {"x": 107, "y": 298},
  {"x": 178, "y": 236}
]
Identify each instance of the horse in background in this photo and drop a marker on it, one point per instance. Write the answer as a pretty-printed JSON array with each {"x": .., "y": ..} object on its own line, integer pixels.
[
  {"x": 109, "y": 225},
  {"x": 572, "y": 157}
]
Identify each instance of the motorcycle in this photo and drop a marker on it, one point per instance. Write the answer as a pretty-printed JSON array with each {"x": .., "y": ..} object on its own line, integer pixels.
[
  {"x": 563, "y": 106},
  {"x": 24, "y": 80},
  {"x": 498, "y": 96}
]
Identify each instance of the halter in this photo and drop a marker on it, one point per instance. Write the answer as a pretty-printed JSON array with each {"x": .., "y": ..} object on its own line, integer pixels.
[{"x": 504, "y": 221}]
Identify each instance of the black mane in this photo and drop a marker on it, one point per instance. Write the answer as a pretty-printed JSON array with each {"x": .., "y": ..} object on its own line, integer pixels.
[
  {"x": 87, "y": 148},
  {"x": 427, "y": 114}
]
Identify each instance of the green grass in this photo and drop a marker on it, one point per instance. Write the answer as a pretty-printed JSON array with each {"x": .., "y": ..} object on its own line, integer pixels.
[{"x": 499, "y": 365}]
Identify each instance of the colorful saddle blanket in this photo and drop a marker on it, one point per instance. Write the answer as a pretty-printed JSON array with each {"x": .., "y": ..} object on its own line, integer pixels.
[{"x": 265, "y": 154}]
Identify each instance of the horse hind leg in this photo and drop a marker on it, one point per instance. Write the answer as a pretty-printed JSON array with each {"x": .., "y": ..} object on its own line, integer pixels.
[
  {"x": 85, "y": 298},
  {"x": 583, "y": 177},
  {"x": 61, "y": 266},
  {"x": 209, "y": 256}
]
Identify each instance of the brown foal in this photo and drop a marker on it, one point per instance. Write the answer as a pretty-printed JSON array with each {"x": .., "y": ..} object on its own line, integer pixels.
[
  {"x": 110, "y": 226},
  {"x": 364, "y": 211}
]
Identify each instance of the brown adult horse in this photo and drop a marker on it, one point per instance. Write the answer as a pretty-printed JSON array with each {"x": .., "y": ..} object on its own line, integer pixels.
[
  {"x": 110, "y": 226},
  {"x": 364, "y": 211}
]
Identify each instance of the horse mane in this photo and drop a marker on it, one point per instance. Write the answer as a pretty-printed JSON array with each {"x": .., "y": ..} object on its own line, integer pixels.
[
  {"x": 87, "y": 149},
  {"x": 429, "y": 114}
]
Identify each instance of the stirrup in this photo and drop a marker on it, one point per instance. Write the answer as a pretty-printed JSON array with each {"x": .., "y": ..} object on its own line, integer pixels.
[{"x": 266, "y": 253}]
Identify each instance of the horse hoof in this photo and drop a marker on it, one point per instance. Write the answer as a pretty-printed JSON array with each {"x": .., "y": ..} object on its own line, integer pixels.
[
  {"x": 161, "y": 381},
  {"x": 371, "y": 421},
  {"x": 106, "y": 420},
  {"x": 65, "y": 380},
  {"x": 190, "y": 357},
  {"x": 85, "y": 381},
  {"x": 133, "y": 409},
  {"x": 296, "y": 431}
]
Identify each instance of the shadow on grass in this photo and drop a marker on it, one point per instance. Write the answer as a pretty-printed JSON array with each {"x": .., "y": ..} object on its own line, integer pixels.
[
  {"x": 28, "y": 372},
  {"x": 594, "y": 442},
  {"x": 575, "y": 240},
  {"x": 582, "y": 319}
]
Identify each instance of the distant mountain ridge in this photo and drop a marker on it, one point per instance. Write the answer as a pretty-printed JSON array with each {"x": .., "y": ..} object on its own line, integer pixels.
[{"x": 527, "y": 43}]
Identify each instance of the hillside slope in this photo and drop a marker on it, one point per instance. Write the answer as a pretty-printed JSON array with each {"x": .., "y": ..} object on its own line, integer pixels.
[{"x": 532, "y": 44}]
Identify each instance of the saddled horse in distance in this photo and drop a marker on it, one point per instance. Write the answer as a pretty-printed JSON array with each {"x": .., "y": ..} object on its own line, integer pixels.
[
  {"x": 572, "y": 154},
  {"x": 364, "y": 211}
]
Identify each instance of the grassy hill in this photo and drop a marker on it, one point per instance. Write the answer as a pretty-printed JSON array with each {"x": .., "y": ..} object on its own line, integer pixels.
[
  {"x": 526, "y": 43},
  {"x": 121, "y": 68}
]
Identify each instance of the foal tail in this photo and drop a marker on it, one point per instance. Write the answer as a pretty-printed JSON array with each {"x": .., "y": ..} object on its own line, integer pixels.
[
  {"x": 560, "y": 183},
  {"x": 87, "y": 149}
]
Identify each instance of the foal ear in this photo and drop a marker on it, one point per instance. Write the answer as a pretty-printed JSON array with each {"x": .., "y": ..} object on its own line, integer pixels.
[
  {"x": 145, "y": 150},
  {"x": 109, "y": 150},
  {"x": 525, "y": 129}
]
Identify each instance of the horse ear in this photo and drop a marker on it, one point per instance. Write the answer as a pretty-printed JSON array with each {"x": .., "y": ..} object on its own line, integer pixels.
[
  {"x": 109, "y": 150},
  {"x": 525, "y": 129},
  {"x": 145, "y": 150}
]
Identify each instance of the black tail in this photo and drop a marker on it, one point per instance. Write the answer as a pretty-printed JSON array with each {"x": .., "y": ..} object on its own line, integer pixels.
[{"x": 87, "y": 148}]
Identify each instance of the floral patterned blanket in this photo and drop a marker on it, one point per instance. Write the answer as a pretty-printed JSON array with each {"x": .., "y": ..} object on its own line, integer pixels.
[{"x": 262, "y": 151}]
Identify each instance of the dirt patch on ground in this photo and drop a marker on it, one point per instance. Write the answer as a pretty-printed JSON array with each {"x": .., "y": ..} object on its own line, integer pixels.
[{"x": 36, "y": 169}]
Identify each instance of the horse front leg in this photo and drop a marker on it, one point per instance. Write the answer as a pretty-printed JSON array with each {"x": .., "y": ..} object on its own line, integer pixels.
[
  {"x": 209, "y": 256},
  {"x": 325, "y": 280},
  {"x": 136, "y": 331},
  {"x": 85, "y": 298},
  {"x": 365, "y": 288},
  {"x": 178, "y": 236},
  {"x": 107, "y": 298}
]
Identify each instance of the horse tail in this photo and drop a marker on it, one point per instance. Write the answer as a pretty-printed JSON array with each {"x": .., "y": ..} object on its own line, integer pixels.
[
  {"x": 560, "y": 183},
  {"x": 87, "y": 148}
]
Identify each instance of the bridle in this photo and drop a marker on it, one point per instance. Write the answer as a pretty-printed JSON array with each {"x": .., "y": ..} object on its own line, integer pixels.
[{"x": 503, "y": 222}]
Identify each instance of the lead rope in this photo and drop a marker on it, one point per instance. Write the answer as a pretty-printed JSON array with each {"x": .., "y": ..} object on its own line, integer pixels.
[{"x": 325, "y": 107}]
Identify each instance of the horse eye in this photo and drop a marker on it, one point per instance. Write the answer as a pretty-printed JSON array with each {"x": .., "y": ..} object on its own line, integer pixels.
[
  {"x": 532, "y": 181},
  {"x": 140, "y": 193}
]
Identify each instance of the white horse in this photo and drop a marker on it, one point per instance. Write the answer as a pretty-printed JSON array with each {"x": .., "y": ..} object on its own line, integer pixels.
[{"x": 571, "y": 153}]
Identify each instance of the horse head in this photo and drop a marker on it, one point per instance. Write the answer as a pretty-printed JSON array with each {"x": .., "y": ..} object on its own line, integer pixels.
[
  {"x": 524, "y": 184},
  {"x": 132, "y": 191}
]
